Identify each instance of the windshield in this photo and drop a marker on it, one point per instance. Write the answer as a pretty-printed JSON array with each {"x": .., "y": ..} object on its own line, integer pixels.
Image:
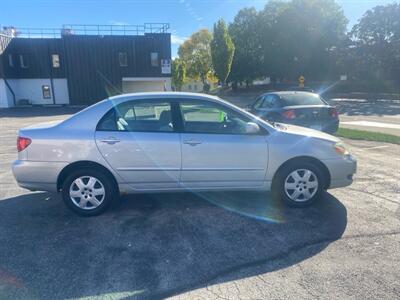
[{"x": 301, "y": 99}]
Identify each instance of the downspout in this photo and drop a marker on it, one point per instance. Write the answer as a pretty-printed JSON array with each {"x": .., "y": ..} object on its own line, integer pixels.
[
  {"x": 53, "y": 92},
  {"x": 11, "y": 90}
]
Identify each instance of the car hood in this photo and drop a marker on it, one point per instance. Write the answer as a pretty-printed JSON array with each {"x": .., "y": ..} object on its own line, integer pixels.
[{"x": 303, "y": 131}]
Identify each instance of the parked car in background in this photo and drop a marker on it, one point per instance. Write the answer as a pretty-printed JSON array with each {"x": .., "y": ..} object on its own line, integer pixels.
[
  {"x": 297, "y": 108},
  {"x": 153, "y": 142}
]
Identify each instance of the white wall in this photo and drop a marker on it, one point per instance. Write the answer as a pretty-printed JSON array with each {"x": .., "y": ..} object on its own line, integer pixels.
[
  {"x": 6, "y": 98},
  {"x": 61, "y": 91},
  {"x": 31, "y": 89},
  {"x": 145, "y": 84}
]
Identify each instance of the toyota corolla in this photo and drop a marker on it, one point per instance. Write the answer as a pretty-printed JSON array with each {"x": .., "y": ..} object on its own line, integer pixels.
[{"x": 154, "y": 142}]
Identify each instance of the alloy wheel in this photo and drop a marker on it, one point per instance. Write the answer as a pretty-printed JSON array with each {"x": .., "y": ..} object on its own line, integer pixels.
[
  {"x": 301, "y": 185},
  {"x": 87, "y": 192}
]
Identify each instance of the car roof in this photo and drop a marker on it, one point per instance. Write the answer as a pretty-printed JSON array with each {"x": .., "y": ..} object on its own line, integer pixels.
[
  {"x": 159, "y": 95},
  {"x": 283, "y": 93}
]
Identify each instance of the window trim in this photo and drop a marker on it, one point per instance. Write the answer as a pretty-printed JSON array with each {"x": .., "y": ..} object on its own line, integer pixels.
[
  {"x": 263, "y": 131},
  {"x": 119, "y": 59},
  {"x": 53, "y": 60},
  {"x": 22, "y": 61},
  {"x": 156, "y": 60},
  {"x": 176, "y": 126},
  {"x": 177, "y": 117},
  {"x": 11, "y": 60}
]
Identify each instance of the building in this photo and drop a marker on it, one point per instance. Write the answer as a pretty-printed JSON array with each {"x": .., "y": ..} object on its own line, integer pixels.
[
  {"x": 196, "y": 86},
  {"x": 82, "y": 64}
]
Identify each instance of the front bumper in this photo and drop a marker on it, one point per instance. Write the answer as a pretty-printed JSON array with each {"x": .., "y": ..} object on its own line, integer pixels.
[
  {"x": 37, "y": 175},
  {"x": 341, "y": 170}
]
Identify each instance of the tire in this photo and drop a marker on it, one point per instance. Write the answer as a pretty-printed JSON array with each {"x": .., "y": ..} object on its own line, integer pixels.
[
  {"x": 287, "y": 185},
  {"x": 88, "y": 192}
]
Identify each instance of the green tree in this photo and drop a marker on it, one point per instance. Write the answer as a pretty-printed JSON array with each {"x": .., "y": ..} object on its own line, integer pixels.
[
  {"x": 178, "y": 73},
  {"x": 286, "y": 39},
  {"x": 244, "y": 31},
  {"x": 196, "y": 54},
  {"x": 301, "y": 36},
  {"x": 222, "y": 51},
  {"x": 377, "y": 39}
]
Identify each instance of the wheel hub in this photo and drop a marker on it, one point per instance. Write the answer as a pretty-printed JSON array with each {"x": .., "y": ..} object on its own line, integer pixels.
[
  {"x": 301, "y": 185},
  {"x": 87, "y": 192}
]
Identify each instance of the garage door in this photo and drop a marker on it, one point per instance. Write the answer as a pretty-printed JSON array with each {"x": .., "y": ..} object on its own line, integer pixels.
[{"x": 142, "y": 86}]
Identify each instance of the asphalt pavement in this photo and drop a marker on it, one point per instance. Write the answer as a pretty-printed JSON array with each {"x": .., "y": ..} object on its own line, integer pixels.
[{"x": 203, "y": 246}]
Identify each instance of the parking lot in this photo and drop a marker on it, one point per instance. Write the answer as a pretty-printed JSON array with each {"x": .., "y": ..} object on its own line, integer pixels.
[{"x": 204, "y": 245}]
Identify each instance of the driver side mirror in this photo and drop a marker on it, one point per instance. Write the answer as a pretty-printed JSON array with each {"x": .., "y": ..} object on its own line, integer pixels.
[{"x": 252, "y": 128}]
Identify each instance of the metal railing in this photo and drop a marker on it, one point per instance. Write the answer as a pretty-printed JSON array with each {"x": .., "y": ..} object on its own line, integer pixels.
[{"x": 87, "y": 29}]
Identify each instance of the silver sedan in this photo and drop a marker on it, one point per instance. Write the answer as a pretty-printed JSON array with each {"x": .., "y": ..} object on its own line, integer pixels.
[{"x": 154, "y": 142}]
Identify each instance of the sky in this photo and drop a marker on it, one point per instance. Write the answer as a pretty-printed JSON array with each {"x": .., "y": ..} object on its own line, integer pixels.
[{"x": 184, "y": 16}]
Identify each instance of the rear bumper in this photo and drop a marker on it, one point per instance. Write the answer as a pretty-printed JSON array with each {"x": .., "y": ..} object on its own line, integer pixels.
[
  {"x": 341, "y": 171},
  {"x": 37, "y": 175}
]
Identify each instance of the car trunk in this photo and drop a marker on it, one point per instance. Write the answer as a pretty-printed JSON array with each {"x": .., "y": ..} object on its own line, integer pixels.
[{"x": 314, "y": 116}]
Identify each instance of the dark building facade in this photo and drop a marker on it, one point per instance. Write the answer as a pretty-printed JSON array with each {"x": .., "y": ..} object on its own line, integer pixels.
[{"x": 83, "y": 68}]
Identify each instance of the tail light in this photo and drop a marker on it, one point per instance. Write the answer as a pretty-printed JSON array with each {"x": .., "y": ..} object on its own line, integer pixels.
[
  {"x": 22, "y": 143},
  {"x": 289, "y": 114},
  {"x": 334, "y": 113}
]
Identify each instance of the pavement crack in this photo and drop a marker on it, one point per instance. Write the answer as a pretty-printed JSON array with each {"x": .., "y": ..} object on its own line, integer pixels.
[{"x": 372, "y": 194}]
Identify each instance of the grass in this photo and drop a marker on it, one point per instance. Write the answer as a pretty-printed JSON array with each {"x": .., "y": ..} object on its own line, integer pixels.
[{"x": 368, "y": 136}]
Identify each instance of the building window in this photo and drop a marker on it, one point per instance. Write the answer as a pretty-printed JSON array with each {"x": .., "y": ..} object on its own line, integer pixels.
[
  {"x": 190, "y": 87},
  {"x": 55, "y": 60},
  {"x": 154, "y": 59},
  {"x": 123, "y": 59},
  {"x": 46, "y": 92},
  {"x": 10, "y": 60},
  {"x": 23, "y": 60},
  {"x": 195, "y": 87}
]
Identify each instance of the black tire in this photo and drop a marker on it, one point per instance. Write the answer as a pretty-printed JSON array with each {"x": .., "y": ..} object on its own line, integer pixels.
[
  {"x": 110, "y": 192},
  {"x": 278, "y": 185}
]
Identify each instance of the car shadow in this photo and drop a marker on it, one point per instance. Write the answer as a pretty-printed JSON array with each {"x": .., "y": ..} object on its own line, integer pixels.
[{"x": 155, "y": 245}]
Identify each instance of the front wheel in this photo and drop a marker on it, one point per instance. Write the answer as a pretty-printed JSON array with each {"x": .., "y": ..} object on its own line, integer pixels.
[
  {"x": 299, "y": 184},
  {"x": 88, "y": 192}
]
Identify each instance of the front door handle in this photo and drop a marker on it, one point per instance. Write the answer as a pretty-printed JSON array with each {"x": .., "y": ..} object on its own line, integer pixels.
[
  {"x": 192, "y": 142},
  {"x": 110, "y": 140}
]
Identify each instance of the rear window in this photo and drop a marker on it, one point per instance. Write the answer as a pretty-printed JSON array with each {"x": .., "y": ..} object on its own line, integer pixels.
[{"x": 301, "y": 99}]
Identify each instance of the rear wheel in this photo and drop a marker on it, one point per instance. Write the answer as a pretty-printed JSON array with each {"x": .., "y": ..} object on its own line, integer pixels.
[
  {"x": 88, "y": 192},
  {"x": 299, "y": 184}
]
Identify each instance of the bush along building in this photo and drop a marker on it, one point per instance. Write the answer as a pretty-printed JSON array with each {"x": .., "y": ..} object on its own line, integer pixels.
[{"x": 82, "y": 64}]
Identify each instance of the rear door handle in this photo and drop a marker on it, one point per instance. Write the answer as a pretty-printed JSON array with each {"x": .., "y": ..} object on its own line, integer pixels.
[
  {"x": 110, "y": 141},
  {"x": 192, "y": 142}
]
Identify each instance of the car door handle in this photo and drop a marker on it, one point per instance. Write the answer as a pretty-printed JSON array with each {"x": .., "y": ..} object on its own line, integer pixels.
[
  {"x": 192, "y": 142},
  {"x": 110, "y": 141}
]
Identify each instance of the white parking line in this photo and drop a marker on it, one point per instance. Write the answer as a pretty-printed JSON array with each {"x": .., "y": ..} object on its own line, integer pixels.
[{"x": 372, "y": 124}]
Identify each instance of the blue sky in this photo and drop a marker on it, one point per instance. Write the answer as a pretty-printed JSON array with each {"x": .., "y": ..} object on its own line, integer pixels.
[{"x": 184, "y": 16}]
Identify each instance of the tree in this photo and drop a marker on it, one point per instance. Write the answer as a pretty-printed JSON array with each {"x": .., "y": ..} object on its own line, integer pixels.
[
  {"x": 178, "y": 73},
  {"x": 222, "y": 51},
  {"x": 244, "y": 31},
  {"x": 196, "y": 54},
  {"x": 301, "y": 37},
  {"x": 286, "y": 39},
  {"x": 377, "y": 39}
]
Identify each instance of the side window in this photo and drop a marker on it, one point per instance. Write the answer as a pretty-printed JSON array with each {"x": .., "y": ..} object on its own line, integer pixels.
[
  {"x": 208, "y": 117},
  {"x": 24, "y": 61},
  {"x": 123, "y": 59},
  {"x": 140, "y": 116},
  {"x": 258, "y": 103},
  {"x": 271, "y": 101},
  {"x": 275, "y": 102}
]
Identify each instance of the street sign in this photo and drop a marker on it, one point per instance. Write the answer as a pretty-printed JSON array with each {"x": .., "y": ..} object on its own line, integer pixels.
[{"x": 302, "y": 80}]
